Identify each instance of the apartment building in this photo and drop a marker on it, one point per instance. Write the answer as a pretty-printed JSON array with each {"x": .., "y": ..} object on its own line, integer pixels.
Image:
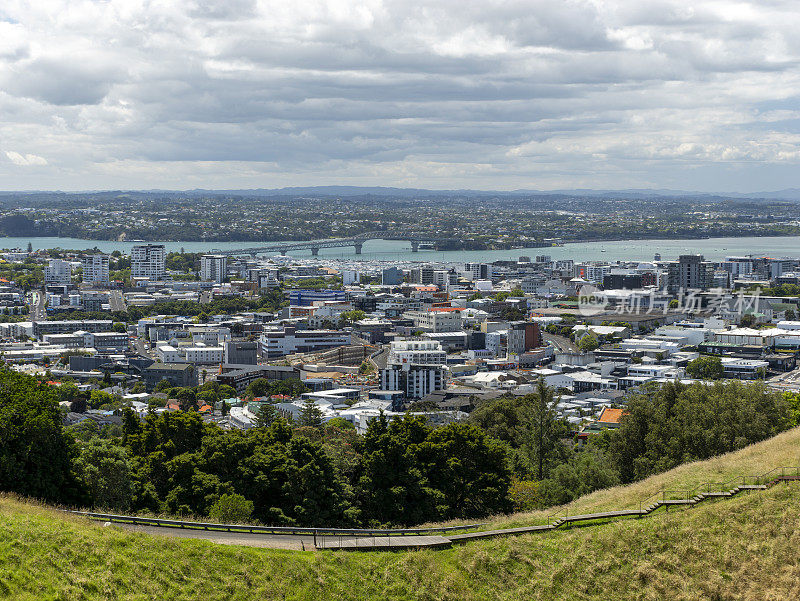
[
  {"x": 213, "y": 268},
  {"x": 95, "y": 269},
  {"x": 149, "y": 261},
  {"x": 415, "y": 367},
  {"x": 58, "y": 273}
]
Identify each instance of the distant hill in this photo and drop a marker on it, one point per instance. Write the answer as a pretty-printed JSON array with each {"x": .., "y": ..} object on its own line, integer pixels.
[
  {"x": 747, "y": 547},
  {"x": 792, "y": 194}
]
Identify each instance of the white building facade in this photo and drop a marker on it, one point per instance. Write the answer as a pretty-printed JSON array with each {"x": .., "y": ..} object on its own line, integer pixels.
[
  {"x": 213, "y": 268},
  {"x": 149, "y": 261},
  {"x": 95, "y": 269}
]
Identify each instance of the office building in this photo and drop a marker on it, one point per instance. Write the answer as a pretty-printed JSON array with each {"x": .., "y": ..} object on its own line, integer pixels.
[
  {"x": 241, "y": 352},
  {"x": 289, "y": 340},
  {"x": 95, "y": 269},
  {"x": 350, "y": 277},
  {"x": 477, "y": 271},
  {"x": 421, "y": 275},
  {"x": 392, "y": 276},
  {"x": 177, "y": 374},
  {"x": 618, "y": 281},
  {"x": 148, "y": 261},
  {"x": 307, "y": 298},
  {"x": 444, "y": 319},
  {"x": 523, "y": 336},
  {"x": 213, "y": 268}
]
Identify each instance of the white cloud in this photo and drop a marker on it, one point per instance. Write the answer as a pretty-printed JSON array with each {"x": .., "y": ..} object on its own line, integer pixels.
[
  {"x": 532, "y": 93},
  {"x": 25, "y": 160}
]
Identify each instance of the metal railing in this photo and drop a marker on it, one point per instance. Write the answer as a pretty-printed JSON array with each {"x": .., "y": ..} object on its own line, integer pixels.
[
  {"x": 321, "y": 535},
  {"x": 277, "y": 530}
]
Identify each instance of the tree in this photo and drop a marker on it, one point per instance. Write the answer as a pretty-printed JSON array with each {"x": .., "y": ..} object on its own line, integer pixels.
[
  {"x": 665, "y": 426},
  {"x": 546, "y": 431},
  {"x": 266, "y": 415},
  {"x": 231, "y": 508},
  {"x": 226, "y": 392},
  {"x": 353, "y": 316},
  {"x": 366, "y": 367},
  {"x": 531, "y": 427},
  {"x": 705, "y": 368},
  {"x": 257, "y": 388},
  {"x": 163, "y": 385},
  {"x": 790, "y": 314},
  {"x": 186, "y": 398},
  {"x": 468, "y": 469},
  {"x": 588, "y": 343},
  {"x": 310, "y": 414},
  {"x": 207, "y": 397},
  {"x": 119, "y": 327},
  {"x": 103, "y": 468},
  {"x": 36, "y": 452},
  {"x": 747, "y": 320}
]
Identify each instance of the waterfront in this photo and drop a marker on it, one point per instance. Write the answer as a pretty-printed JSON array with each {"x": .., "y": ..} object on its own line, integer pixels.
[{"x": 625, "y": 250}]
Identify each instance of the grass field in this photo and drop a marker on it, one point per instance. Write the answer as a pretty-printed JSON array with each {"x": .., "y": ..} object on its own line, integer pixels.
[{"x": 747, "y": 547}]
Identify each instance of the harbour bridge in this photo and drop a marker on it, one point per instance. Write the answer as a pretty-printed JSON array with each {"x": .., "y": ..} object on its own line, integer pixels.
[{"x": 314, "y": 246}]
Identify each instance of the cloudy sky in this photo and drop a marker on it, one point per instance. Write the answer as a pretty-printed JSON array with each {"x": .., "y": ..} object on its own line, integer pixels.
[{"x": 700, "y": 95}]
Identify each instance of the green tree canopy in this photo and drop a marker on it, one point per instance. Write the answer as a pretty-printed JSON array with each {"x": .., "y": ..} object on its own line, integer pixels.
[{"x": 706, "y": 368}]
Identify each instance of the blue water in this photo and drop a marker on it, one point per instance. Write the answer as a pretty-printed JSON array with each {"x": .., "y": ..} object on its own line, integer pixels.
[{"x": 625, "y": 250}]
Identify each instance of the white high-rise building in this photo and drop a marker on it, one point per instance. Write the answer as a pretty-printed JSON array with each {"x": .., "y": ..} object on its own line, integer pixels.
[
  {"x": 58, "y": 272},
  {"x": 213, "y": 268},
  {"x": 95, "y": 269},
  {"x": 149, "y": 261},
  {"x": 417, "y": 367}
]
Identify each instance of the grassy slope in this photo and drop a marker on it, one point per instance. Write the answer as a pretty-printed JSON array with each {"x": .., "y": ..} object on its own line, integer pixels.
[
  {"x": 743, "y": 548},
  {"x": 781, "y": 451}
]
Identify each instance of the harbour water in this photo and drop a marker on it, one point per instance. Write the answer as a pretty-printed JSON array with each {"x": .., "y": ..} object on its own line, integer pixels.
[{"x": 392, "y": 250}]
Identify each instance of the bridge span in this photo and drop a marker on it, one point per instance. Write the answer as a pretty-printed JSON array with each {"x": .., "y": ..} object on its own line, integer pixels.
[{"x": 357, "y": 242}]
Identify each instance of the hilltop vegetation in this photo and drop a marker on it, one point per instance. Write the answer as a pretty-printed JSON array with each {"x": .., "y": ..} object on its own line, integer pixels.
[
  {"x": 743, "y": 548},
  {"x": 400, "y": 473}
]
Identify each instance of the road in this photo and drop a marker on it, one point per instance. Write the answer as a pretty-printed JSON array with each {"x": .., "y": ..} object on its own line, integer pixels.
[
  {"x": 561, "y": 343},
  {"x": 273, "y": 541},
  {"x": 789, "y": 380},
  {"x": 294, "y": 542},
  {"x": 117, "y": 301},
  {"x": 141, "y": 347},
  {"x": 39, "y": 313},
  {"x": 381, "y": 358}
]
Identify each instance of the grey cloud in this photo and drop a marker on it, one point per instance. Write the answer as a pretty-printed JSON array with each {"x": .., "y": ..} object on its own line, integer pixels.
[
  {"x": 557, "y": 89},
  {"x": 61, "y": 82}
]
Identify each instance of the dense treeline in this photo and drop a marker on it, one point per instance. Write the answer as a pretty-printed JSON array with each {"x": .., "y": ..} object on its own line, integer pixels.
[
  {"x": 676, "y": 423},
  {"x": 404, "y": 472},
  {"x": 662, "y": 427},
  {"x": 514, "y": 452}
]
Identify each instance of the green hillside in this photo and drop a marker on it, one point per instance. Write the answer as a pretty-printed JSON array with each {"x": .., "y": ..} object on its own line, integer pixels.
[{"x": 747, "y": 547}]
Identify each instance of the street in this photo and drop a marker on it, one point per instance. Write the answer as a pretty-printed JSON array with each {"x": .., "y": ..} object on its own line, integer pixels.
[
  {"x": 38, "y": 311},
  {"x": 117, "y": 301}
]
